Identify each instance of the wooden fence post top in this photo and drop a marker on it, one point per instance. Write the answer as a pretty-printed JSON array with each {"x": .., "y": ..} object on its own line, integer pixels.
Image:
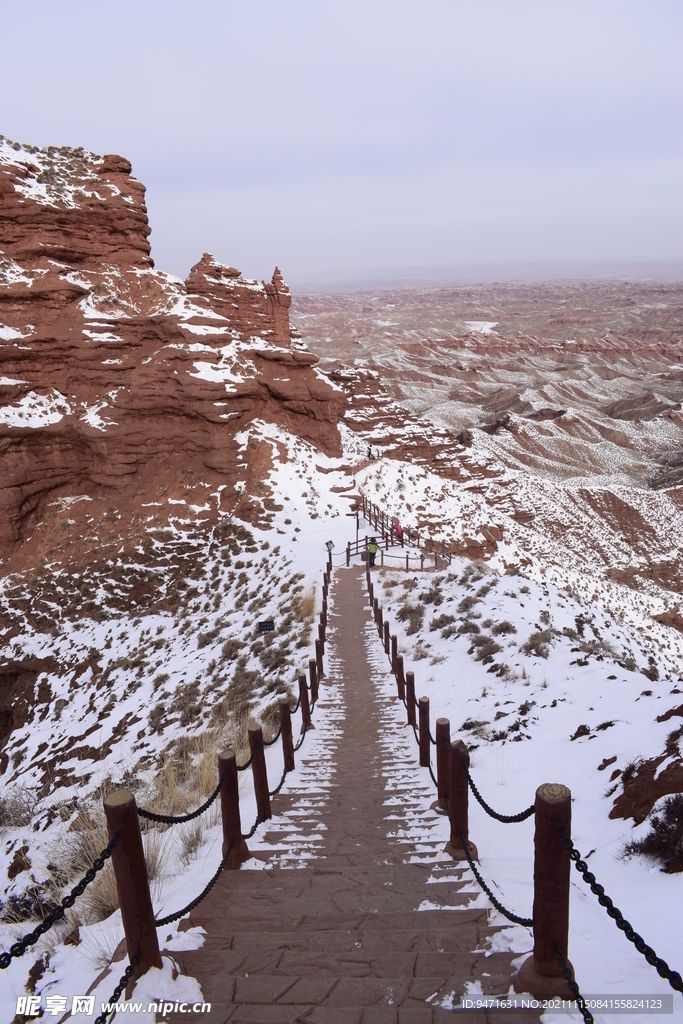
[
  {"x": 423, "y": 699},
  {"x": 119, "y": 798},
  {"x": 443, "y": 722},
  {"x": 227, "y": 755},
  {"x": 553, "y": 793}
]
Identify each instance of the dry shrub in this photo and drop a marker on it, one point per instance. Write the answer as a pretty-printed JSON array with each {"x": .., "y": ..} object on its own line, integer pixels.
[
  {"x": 413, "y": 614},
  {"x": 17, "y": 807},
  {"x": 664, "y": 842},
  {"x": 538, "y": 644},
  {"x": 304, "y": 606}
]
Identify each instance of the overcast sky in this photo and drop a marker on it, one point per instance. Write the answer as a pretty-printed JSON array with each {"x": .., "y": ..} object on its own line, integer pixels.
[{"x": 356, "y": 140}]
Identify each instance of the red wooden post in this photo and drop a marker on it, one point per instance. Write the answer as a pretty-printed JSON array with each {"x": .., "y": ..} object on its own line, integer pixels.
[
  {"x": 306, "y": 722},
  {"x": 410, "y": 697},
  {"x": 400, "y": 679},
  {"x": 321, "y": 637},
  {"x": 380, "y": 622},
  {"x": 287, "y": 743},
  {"x": 430, "y": 545},
  {"x": 130, "y": 869},
  {"x": 443, "y": 759},
  {"x": 394, "y": 653},
  {"x": 423, "y": 708},
  {"x": 402, "y": 538},
  {"x": 458, "y": 799},
  {"x": 375, "y": 608},
  {"x": 230, "y": 810},
  {"x": 386, "y": 639},
  {"x": 313, "y": 679},
  {"x": 541, "y": 973},
  {"x": 381, "y": 557},
  {"x": 371, "y": 594},
  {"x": 407, "y": 566},
  {"x": 319, "y": 659},
  {"x": 348, "y": 554},
  {"x": 258, "y": 768},
  {"x": 422, "y": 561}
]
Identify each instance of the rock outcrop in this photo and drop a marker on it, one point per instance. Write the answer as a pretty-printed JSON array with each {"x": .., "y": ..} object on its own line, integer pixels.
[{"x": 118, "y": 381}]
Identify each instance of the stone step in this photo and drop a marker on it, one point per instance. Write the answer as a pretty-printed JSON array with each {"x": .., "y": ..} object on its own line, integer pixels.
[{"x": 267, "y": 999}]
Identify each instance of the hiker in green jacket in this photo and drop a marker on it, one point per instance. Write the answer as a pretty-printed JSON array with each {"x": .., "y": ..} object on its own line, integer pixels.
[{"x": 372, "y": 551}]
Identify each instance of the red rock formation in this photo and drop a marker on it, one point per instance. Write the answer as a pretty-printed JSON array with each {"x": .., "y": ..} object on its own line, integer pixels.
[{"x": 118, "y": 381}]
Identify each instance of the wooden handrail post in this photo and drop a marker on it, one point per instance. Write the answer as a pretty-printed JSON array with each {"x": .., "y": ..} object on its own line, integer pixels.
[
  {"x": 407, "y": 566},
  {"x": 287, "y": 742},
  {"x": 400, "y": 679},
  {"x": 387, "y": 639},
  {"x": 458, "y": 800},
  {"x": 394, "y": 653},
  {"x": 380, "y": 622},
  {"x": 422, "y": 561},
  {"x": 375, "y": 608},
  {"x": 321, "y": 637},
  {"x": 313, "y": 678},
  {"x": 371, "y": 593},
  {"x": 306, "y": 722},
  {"x": 423, "y": 708},
  {"x": 540, "y": 973},
  {"x": 443, "y": 762},
  {"x": 348, "y": 554},
  {"x": 132, "y": 883},
  {"x": 230, "y": 811},
  {"x": 259, "y": 772},
  {"x": 402, "y": 538},
  {"x": 410, "y": 697},
  {"x": 381, "y": 557},
  {"x": 319, "y": 659}
]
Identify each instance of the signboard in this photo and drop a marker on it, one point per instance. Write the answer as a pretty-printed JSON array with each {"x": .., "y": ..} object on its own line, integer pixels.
[
  {"x": 329, "y": 544},
  {"x": 267, "y": 626}
]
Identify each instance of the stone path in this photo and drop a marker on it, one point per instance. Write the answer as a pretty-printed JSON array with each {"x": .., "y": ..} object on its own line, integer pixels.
[{"x": 328, "y": 931}]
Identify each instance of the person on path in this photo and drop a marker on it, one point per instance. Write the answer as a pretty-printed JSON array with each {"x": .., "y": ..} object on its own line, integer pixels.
[
  {"x": 398, "y": 531},
  {"x": 372, "y": 551}
]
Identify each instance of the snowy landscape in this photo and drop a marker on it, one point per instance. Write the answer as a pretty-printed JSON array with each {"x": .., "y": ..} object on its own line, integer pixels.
[{"x": 177, "y": 457}]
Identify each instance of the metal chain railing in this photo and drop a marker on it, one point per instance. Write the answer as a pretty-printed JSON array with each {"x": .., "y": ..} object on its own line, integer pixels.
[
  {"x": 281, "y": 782},
  {"x": 198, "y": 899},
  {"x": 505, "y": 818},
  {"x": 573, "y": 987},
  {"x": 528, "y": 922},
  {"x": 661, "y": 966},
  {"x": 432, "y": 775},
  {"x": 253, "y": 828},
  {"x": 18, "y": 948},
  {"x": 178, "y": 819},
  {"x": 425, "y": 719},
  {"x": 303, "y": 737},
  {"x": 276, "y": 737},
  {"x": 125, "y": 978}
]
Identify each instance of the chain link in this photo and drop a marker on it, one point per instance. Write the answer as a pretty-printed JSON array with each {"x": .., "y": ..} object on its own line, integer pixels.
[
  {"x": 198, "y": 899},
  {"x": 573, "y": 987},
  {"x": 125, "y": 978},
  {"x": 505, "y": 818},
  {"x": 661, "y": 966},
  {"x": 18, "y": 948},
  {"x": 526, "y": 921},
  {"x": 432, "y": 775}
]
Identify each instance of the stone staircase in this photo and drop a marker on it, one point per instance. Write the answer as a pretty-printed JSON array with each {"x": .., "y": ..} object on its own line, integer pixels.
[{"x": 352, "y": 911}]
